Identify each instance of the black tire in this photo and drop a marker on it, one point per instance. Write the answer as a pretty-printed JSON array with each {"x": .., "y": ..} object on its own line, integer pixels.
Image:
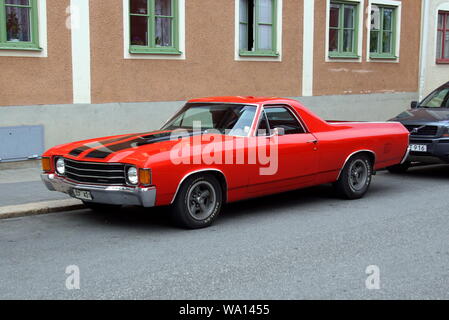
[
  {"x": 355, "y": 178},
  {"x": 400, "y": 168},
  {"x": 198, "y": 202},
  {"x": 101, "y": 207}
]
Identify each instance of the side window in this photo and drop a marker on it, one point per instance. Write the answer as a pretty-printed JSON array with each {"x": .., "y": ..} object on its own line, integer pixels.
[
  {"x": 263, "y": 129},
  {"x": 436, "y": 100},
  {"x": 281, "y": 117}
]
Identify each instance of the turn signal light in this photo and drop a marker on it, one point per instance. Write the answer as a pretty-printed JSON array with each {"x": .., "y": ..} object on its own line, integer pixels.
[
  {"x": 145, "y": 177},
  {"x": 46, "y": 164}
]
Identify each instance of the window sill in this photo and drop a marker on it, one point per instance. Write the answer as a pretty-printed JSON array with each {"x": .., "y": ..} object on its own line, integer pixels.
[
  {"x": 258, "y": 54},
  {"x": 5, "y": 47},
  {"x": 442, "y": 61},
  {"x": 343, "y": 56},
  {"x": 171, "y": 51},
  {"x": 376, "y": 57}
]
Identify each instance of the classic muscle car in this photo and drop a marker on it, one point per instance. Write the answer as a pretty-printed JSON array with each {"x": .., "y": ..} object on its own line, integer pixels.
[
  {"x": 428, "y": 123},
  {"x": 224, "y": 149}
]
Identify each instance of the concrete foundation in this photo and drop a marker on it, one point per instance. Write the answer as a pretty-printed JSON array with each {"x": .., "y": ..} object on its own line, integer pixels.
[{"x": 65, "y": 123}]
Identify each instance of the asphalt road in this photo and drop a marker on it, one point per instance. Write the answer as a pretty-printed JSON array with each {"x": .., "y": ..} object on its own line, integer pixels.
[{"x": 303, "y": 244}]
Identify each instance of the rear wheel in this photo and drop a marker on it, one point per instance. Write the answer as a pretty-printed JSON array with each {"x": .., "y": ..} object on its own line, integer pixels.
[
  {"x": 198, "y": 202},
  {"x": 355, "y": 177},
  {"x": 101, "y": 207},
  {"x": 400, "y": 168}
]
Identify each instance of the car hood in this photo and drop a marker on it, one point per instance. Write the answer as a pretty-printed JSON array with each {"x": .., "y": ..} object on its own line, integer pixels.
[
  {"x": 133, "y": 148},
  {"x": 422, "y": 115}
]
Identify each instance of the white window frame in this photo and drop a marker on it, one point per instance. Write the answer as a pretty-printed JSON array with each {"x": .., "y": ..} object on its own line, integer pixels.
[
  {"x": 150, "y": 56},
  {"x": 361, "y": 5},
  {"x": 393, "y": 3},
  {"x": 237, "y": 56},
  {"x": 42, "y": 23}
]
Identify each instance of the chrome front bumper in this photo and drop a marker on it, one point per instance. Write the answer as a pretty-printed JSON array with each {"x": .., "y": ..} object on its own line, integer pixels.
[{"x": 118, "y": 195}]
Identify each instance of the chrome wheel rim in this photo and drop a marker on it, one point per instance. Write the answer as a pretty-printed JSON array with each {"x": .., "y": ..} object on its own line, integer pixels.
[
  {"x": 358, "y": 175},
  {"x": 201, "y": 199}
]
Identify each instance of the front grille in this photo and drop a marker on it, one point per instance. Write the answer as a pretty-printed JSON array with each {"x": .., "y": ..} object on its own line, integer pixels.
[
  {"x": 95, "y": 172},
  {"x": 420, "y": 130}
]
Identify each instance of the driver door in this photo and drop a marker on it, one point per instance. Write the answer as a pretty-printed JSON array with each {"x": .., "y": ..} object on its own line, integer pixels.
[{"x": 296, "y": 158}]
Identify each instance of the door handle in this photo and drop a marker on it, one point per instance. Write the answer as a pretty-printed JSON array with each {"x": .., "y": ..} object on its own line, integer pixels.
[{"x": 312, "y": 141}]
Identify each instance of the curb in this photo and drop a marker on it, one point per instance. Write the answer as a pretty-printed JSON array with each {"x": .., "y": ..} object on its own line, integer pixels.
[{"x": 36, "y": 208}]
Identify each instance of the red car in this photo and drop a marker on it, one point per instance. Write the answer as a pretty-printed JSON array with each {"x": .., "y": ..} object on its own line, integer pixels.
[{"x": 224, "y": 149}]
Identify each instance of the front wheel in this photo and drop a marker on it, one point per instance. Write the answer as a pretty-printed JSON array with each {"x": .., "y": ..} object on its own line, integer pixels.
[
  {"x": 198, "y": 202},
  {"x": 355, "y": 177}
]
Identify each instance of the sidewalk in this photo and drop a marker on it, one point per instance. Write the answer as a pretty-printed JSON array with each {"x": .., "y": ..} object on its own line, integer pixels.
[{"x": 23, "y": 193}]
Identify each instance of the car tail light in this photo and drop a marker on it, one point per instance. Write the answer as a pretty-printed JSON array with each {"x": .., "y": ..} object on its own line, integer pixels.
[
  {"x": 145, "y": 177},
  {"x": 46, "y": 164}
]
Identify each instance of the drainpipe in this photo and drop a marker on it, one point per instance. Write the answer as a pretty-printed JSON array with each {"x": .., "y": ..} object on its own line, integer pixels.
[{"x": 425, "y": 18}]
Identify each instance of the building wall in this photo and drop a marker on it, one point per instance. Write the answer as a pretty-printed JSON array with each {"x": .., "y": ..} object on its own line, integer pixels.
[
  {"x": 435, "y": 74},
  {"x": 133, "y": 95},
  {"x": 41, "y": 80},
  {"x": 209, "y": 67},
  {"x": 369, "y": 77}
]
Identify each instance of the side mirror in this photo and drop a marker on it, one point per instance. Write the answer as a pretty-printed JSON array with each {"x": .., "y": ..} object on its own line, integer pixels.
[
  {"x": 278, "y": 132},
  {"x": 414, "y": 104}
]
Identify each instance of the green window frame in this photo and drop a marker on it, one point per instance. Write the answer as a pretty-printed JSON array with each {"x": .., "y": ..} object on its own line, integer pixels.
[
  {"x": 6, "y": 21},
  {"x": 152, "y": 47},
  {"x": 251, "y": 28},
  {"x": 343, "y": 38},
  {"x": 383, "y": 39}
]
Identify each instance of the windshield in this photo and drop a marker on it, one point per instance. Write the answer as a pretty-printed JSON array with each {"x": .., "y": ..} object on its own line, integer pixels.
[
  {"x": 437, "y": 99},
  {"x": 230, "y": 119}
]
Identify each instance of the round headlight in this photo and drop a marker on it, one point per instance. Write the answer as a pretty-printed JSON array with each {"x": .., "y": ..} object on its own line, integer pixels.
[
  {"x": 60, "y": 166},
  {"x": 133, "y": 178}
]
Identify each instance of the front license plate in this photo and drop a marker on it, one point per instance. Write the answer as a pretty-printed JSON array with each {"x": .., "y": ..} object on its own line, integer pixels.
[
  {"x": 82, "y": 194},
  {"x": 418, "y": 147}
]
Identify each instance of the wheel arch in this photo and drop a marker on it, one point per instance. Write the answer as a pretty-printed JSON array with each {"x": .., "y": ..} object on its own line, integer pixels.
[
  {"x": 215, "y": 172},
  {"x": 371, "y": 154}
]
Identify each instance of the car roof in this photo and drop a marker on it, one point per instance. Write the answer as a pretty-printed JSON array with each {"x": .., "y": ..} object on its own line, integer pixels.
[{"x": 242, "y": 99}]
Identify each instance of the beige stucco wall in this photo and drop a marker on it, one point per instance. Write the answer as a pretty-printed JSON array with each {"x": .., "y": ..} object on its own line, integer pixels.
[
  {"x": 32, "y": 80},
  {"x": 210, "y": 68},
  {"x": 369, "y": 77},
  {"x": 435, "y": 74}
]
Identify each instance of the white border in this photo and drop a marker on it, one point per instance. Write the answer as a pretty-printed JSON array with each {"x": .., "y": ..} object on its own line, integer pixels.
[
  {"x": 361, "y": 5},
  {"x": 398, "y": 5},
  {"x": 237, "y": 56},
  {"x": 151, "y": 56},
  {"x": 80, "y": 26},
  {"x": 42, "y": 22},
  {"x": 307, "y": 48}
]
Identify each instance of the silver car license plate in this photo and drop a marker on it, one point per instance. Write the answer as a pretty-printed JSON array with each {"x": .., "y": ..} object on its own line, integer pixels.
[
  {"x": 82, "y": 194},
  {"x": 418, "y": 147}
]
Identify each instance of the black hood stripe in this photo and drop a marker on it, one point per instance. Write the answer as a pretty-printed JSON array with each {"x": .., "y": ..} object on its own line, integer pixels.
[
  {"x": 105, "y": 151},
  {"x": 77, "y": 151}
]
